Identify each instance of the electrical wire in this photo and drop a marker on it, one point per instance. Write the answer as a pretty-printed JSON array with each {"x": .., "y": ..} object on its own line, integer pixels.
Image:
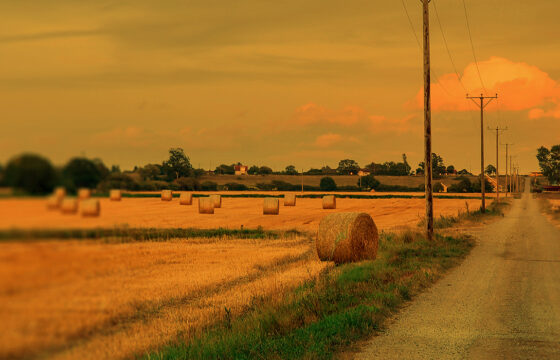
[{"x": 472, "y": 47}]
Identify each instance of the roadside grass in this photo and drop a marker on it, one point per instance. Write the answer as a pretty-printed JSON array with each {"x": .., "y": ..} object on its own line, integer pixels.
[
  {"x": 125, "y": 234},
  {"x": 329, "y": 312},
  {"x": 495, "y": 209}
]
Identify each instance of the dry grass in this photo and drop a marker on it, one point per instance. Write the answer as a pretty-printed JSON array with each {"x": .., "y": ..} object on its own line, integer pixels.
[
  {"x": 235, "y": 212},
  {"x": 94, "y": 300}
]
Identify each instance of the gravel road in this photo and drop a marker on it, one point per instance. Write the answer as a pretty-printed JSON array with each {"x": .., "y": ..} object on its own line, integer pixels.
[{"x": 502, "y": 302}]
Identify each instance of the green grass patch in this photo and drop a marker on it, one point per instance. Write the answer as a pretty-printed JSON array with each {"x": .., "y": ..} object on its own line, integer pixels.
[
  {"x": 327, "y": 313},
  {"x": 446, "y": 221},
  {"x": 124, "y": 234}
]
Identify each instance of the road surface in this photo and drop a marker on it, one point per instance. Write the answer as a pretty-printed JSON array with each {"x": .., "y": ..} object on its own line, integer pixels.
[{"x": 502, "y": 302}]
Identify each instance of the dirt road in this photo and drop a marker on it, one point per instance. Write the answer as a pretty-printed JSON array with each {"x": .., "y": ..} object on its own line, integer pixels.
[{"x": 503, "y": 302}]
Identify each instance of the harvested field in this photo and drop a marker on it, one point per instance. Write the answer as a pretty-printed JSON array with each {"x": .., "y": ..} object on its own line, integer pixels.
[
  {"x": 235, "y": 212},
  {"x": 93, "y": 300}
]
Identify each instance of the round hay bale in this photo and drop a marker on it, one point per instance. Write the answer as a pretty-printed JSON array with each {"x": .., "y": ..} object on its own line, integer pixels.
[
  {"x": 185, "y": 199},
  {"x": 290, "y": 200},
  {"x": 166, "y": 195},
  {"x": 84, "y": 193},
  {"x": 115, "y": 195},
  {"x": 217, "y": 200},
  {"x": 205, "y": 205},
  {"x": 60, "y": 192},
  {"x": 53, "y": 202},
  {"x": 329, "y": 202},
  {"x": 347, "y": 237},
  {"x": 69, "y": 206},
  {"x": 271, "y": 206},
  {"x": 90, "y": 207}
]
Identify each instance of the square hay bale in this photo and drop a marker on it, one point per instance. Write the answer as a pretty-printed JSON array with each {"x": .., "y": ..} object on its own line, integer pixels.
[
  {"x": 84, "y": 193},
  {"x": 205, "y": 205},
  {"x": 289, "y": 199},
  {"x": 329, "y": 202},
  {"x": 69, "y": 206},
  {"x": 115, "y": 195},
  {"x": 90, "y": 208},
  {"x": 271, "y": 206},
  {"x": 217, "y": 200},
  {"x": 53, "y": 202},
  {"x": 185, "y": 199},
  {"x": 166, "y": 195}
]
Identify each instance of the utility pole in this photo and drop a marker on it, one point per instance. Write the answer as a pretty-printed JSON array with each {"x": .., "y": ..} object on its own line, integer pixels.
[
  {"x": 497, "y": 130},
  {"x": 428, "y": 125},
  {"x": 482, "y": 105},
  {"x": 508, "y": 183},
  {"x": 302, "y": 180}
]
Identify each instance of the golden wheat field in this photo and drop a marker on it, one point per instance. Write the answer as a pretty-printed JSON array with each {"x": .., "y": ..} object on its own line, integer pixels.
[
  {"x": 95, "y": 300},
  {"x": 234, "y": 213}
]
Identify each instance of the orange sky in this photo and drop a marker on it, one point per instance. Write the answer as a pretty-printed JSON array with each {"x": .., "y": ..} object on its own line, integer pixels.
[{"x": 275, "y": 83}]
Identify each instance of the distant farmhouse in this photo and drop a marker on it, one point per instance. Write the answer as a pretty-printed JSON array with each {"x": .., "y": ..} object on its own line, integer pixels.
[{"x": 241, "y": 169}]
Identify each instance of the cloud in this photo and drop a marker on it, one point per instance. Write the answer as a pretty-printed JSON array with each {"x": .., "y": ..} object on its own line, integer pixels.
[
  {"x": 327, "y": 140},
  {"x": 124, "y": 136},
  {"x": 50, "y": 35},
  {"x": 520, "y": 86},
  {"x": 310, "y": 114}
]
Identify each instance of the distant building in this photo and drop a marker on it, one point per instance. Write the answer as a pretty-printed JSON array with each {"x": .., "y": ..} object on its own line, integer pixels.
[
  {"x": 363, "y": 172},
  {"x": 536, "y": 174},
  {"x": 241, "y": 169}
]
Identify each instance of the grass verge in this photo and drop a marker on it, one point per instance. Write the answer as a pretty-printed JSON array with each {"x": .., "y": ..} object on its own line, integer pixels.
[
  {"x": 446, "y": 221},
  {"x": 326, "y": 314}
]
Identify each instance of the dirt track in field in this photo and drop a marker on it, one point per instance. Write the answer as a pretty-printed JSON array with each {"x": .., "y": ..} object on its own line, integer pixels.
[
  {"x": 503, "y": 302},
  {"x": 235, "y": 212}
]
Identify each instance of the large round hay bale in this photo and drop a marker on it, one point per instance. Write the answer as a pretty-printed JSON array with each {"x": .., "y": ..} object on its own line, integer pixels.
[
  {"x": 185, "y": 199},
  {"x": 69, "y": 206},
  {"x": 115, "y": 195},
  {"x": 60, "y": 192},
  {"x": 347, "y": 237},
  {"x": 205, "y": 205},
  {"x": 289, "y": 199},
  {"x": 271, "y": 206},
  {"x": 90, "y": 207},
  {"x": 84, "y": 193},
  {"x": 166, "y": 195},
  {"x": 329, "y": 202},
  {"x": 217, "y": 200},
  {"x": 53, "y": 202}
]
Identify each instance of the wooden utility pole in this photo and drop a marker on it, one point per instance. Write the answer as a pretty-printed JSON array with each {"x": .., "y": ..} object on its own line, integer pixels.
[
  {"x": 482, "y": 105},
  {"x": 508, "y": 177},
  {"x": 302, "y": 181},
  {"x": 497, "y": 130},
  {"x": 428, "y": 125}
]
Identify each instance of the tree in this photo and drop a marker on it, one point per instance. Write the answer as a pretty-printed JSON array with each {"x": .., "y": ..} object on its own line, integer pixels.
[
  {"x": 103, "y": 170},
  {"x": 369, "y": 182},
  {"x": 150, "y": 171},
  {"x": 407, "y": 167},
  {"x": 549, "y": 162},
  {"x": 31, "y": 173},
  {"x": 463, "y": 172},
  {"x": 348, "y": 167},
  {"x": 291, "y": 170},
  {"x": 178, "y": 164},
  {"x": 115, "y": 169},
  {"x": 265, "y": 170},
  {"x": 450, "y": 170},
  {"x": 225, "y": 169},
  {"x": 326, "y": 170},
  {"x": 81, "y": 172},
  {"x": 438, "y": 168},
  {"x": 253, "y": 170},
  {"x": 490, "y": 170},
  {"x": 327, "y": 184}
]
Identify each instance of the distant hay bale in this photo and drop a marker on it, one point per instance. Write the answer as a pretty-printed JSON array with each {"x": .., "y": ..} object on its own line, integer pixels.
[
  {"x": 69, "y": 206},
  {"x": 217, "y": 200},
  {"x": 271, "y": 206},
  {"x": 115, "y": 195},
  {"x": 90, "y": 207},
  {"x": 205, "y": 205},
  {"x": 84, "y": 193},
  {"x": 166, "y": 195},
  {"x": 185, "y": 199},
  {"x": 290, "y": 200},
  {"x": 60, "y": 192},
  {"x": 53, "y": 202},
  {"x": 329, "y": 202},
  {"x": 347, "y": 237}
]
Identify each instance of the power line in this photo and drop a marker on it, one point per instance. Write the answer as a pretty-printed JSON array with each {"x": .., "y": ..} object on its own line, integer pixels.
[{"x": 472, "y": 47}]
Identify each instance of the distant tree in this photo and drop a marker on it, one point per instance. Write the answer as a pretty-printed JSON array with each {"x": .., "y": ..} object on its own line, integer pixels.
[
  {"x": 327, "y": 184},
  {"x": 31, "y": 173},
  {"x": 327, "y": 170},
  {"x": 490, "y": 170},
  {"x": 253, "y": 170},
  {"x": 178, "y": 165},
  {"x": 81, "y": 172},
  {"x": 115, "y": 169},
  {"x": 313, "y": 171},
  {"x": 1, "y": 175},
  {"x": 347, "y": 167},
  {"x": 463, "y": 172},
  {"x": 291, "y": 170},
  {"x": 438, "y": 167},
  {"x": 407, "y": 167},
  {"x": 420, "y": 169},
  {"x": 265, "y": 170},
  {"x": 369, "y": 182},
  {"x": 450, "y": 170},
  {"x": 198, "y": 172},
  {"x": 150, "y": 171},
  {"x": 549, "y": 162},
  {"x": 225, "y": 170}
]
